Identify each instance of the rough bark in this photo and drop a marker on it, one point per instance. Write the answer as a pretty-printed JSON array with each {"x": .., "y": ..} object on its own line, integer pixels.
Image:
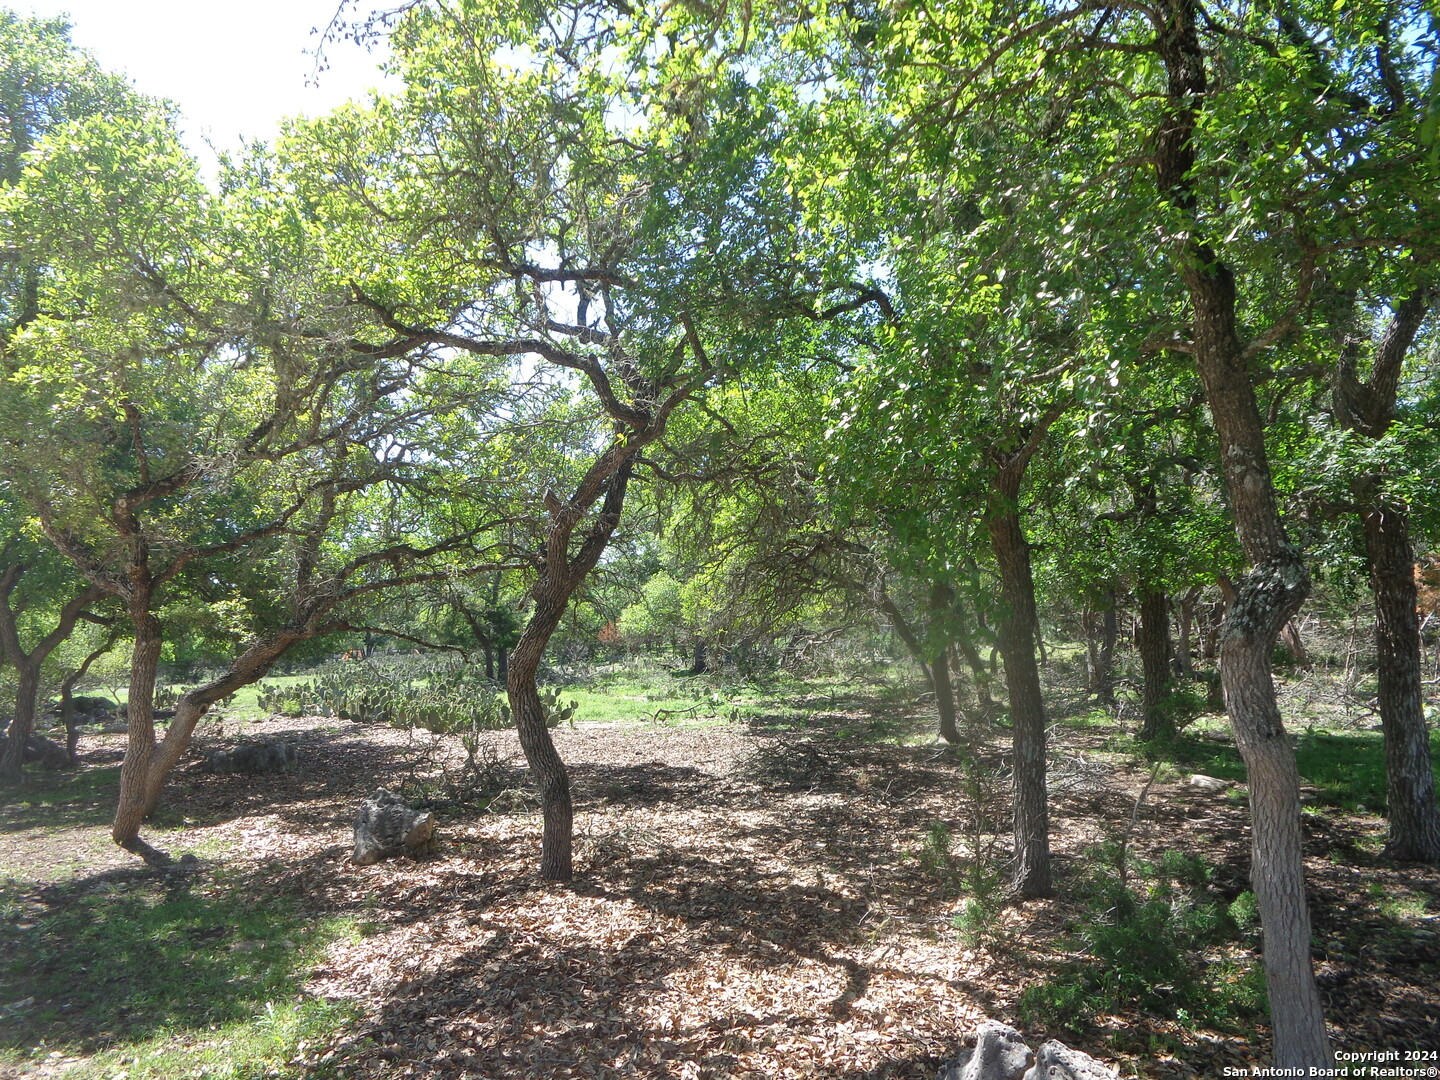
[
  {"x": 561, "y": 573},
  {"x": 1277, "y": 584},
  {"x": 1369, "y": 408},
  {"x": 22, "y": 724},
  {"x": 1154, "y": 644},
  {"x": 1184, "y": 662},
  {"x": 1018, "y": 626},
  {"x": 1414, "y": 833}
]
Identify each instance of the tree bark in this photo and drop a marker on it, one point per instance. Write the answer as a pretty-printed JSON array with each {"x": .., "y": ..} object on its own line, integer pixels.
[
  {"x": 978, "y": 671},
  {"x": 22, "y": 724},
  {"x": 1184, "y": 664},
  {"x": 698, "y": 665},
  {"x": 547, "y": 769},
  {"x": 1031, "y": 876},
  {"x": 560, "y": 575},
  {"x": 1154, "y": 643},
  {"x": 139, "y": 790},
  {"x": 1414, "y": 833},
  {"x": 1369, "y": 408},
  {"x": 1277, "y": 584}
]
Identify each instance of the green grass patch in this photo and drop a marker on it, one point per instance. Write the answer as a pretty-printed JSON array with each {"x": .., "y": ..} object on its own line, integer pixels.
[
  {"x": 162, "y": 977},
  {"x": 53, "y": 800}
]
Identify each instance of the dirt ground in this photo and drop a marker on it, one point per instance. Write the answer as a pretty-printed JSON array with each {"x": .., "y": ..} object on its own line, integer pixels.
[{"x": 721, "y": 926}]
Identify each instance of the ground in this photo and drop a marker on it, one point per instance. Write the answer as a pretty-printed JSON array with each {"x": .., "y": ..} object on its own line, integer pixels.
[{"x": 749, "y": 902}]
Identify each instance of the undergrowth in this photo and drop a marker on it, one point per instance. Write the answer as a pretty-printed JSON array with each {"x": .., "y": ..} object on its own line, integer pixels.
[{"x": 1156, "y": 939}]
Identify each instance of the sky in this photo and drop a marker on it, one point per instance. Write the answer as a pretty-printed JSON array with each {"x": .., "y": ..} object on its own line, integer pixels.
[{"x": 234, "y": 69}]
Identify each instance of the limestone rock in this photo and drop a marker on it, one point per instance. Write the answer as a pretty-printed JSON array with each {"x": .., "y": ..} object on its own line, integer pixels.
[
  {"x": 386, "y": 827},
  {"x": 1056, "y": 1061},
  {"x": 1211, "y": 785},
  {"x": 45, "y": 753},
  {"x": 1001, "y": 1054},
  {"x": 254, "y": 759}
]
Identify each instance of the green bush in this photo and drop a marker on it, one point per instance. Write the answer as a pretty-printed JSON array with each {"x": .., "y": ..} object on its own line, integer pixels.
[{"x": 1147, "y": 939}]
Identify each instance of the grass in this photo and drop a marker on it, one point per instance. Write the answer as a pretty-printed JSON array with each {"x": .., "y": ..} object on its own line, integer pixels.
[
  {"x": 142, "y": 975},
  {"x": 1347, "y": 768}
]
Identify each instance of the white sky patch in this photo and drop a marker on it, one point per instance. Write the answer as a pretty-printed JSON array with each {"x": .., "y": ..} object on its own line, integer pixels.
[{"x": 235, "y": 70}]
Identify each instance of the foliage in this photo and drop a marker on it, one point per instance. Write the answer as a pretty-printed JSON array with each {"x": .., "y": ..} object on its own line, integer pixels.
[
  {"x": 1150, "y": 940},
  {"x": 439, "y": 697}
]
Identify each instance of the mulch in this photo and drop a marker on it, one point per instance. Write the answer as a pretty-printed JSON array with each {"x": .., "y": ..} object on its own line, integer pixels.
[{"x": 722, "y": 927}]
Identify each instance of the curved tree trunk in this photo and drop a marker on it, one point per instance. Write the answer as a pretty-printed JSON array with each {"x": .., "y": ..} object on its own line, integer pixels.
[
  {"x": 1369, "y": 409},
  {"x": 1273, "y": 591},
  {"x": 1154, "y": 643},
  {"x": 547, "y": 768},
  {"x": 1410, "y": 778},
  {"x": 560, "y": 575}
]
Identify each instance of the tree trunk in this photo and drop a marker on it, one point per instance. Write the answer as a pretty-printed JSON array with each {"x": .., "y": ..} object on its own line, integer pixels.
[
  {"x": 945, "y": 698},
  {"x": 1154, "y": 643},
  {"x": 1290, "y": 638},
  {"x": 1410, "y": 779},
  {"x": 1184, "y": 663},
  {"x": 1018, "y": 624},
  {"x": 139, "y": 789},
  {"x": 1103, "y": 674},
  {"x": 1277, "y": 584},
  {"x": 22, "y": 725},
  {"x": 978, "y": 671},
  {"x": 936, "y": 669},
  {"x": 698, "y": 665},
  {"x": 1369, "y": 409},
  {"x": 547, "y": 769}
]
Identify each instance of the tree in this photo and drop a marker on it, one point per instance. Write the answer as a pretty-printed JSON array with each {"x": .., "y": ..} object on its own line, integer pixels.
[
  {"x": 193, "y": 414},
  {"x": 1370, "y": 410},
  {"x": 548, "y": 213}
]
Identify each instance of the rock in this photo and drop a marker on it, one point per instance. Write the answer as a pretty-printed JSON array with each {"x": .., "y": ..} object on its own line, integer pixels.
[
  {"x": 1210, "y": 784},
  {"x": 85, "y": 704},
  {"x": 254, "y": 759},
  {"x": 1001, "y": 1054},
  {"x": 48, "y": 755},
  {"x": 1056, "y": 1061},
  {"x": 386, "y": 827}
]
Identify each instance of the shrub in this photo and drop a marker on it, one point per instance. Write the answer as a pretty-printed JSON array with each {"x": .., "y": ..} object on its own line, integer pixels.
[{"x": 1147, "y": 945}]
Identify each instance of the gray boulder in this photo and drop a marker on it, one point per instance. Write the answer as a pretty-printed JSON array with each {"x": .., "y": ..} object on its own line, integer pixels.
[
  {"x": 254, "y": 759},
  {"x": 386, "y": 827},
  {"x": 1056, "y": 1061},
  {"x": 1001, "y": 1054},
  {"x": 43, "y": 752}
]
